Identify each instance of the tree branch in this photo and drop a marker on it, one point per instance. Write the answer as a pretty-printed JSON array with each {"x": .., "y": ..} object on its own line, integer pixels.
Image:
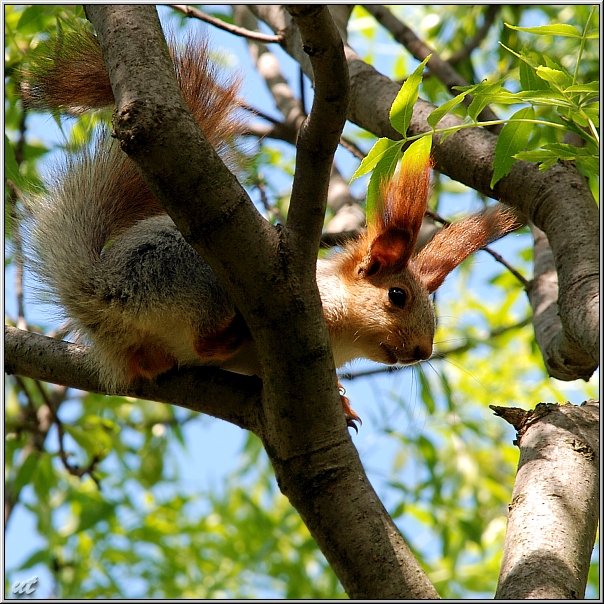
[
  {"x": 320, "y": 134},
  {"x": 228, "y": 396},
  {"x": 553, "y": 516},
  {"x": 191, "y": 11},
  {"x": 563, "y": 359},
  {"x": 481, "y": 33}
]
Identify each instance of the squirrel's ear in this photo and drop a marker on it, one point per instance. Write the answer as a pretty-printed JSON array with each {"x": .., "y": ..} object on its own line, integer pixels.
[
  {"x": 390, "y": 250},
  {"x": 453, "y": 244},
  {"x": 393, "y": 230}
]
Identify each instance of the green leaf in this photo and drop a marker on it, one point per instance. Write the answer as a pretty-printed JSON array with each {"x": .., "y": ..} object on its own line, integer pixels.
[
  {"x": 528, "y": 77},
  {"x": 402, "y": 107},
  {"x": 559, "y": 78},
  {"x": 426, "y": 393},
  {"x": 417, "y": 154},
  {"x": 563, "y": 150},
  {"x": 445, "y": 108},
  {"x": 512, "y": 139},
  {"x": 588, "y": 87},
  {"x": 483, "y": 95},
  {"x": 41, "y": 556},
  {"x": 579, "y": 119},
  {"x": 152, "y": 466},
  {"x": 383, "y": 171},
  {"x": 428, "y": 451},
  {"x": 382, "y": 148},
  {"x": 561, "y": 29},
  {"x": 536, "y": 155},
  {"x": 32, "y": 18},
  {"x": 83, "y": 438},
  {"x": 44, "y": 477},
  {"x": 10, "y": 164},
  {"x": 25, "y": 471},
  {"x": 93, "y": 511},
  {"x": 588, "y": 165},
  {"x": 541, "y": 97},
  {"x": 546, "y": 165}
]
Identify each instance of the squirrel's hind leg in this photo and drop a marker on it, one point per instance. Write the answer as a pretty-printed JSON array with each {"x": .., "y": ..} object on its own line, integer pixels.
[
  {"x": 148, "y": 360},
  {"x": 223, "y": 342}
]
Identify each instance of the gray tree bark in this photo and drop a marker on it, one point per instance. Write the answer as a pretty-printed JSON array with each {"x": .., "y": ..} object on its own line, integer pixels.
[{"x": 553, "y": 515}]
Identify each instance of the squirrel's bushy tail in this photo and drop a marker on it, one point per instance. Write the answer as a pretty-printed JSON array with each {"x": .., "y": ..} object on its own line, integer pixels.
[
  {"x": 68, "y": 74},
  {"x": 95, "y": 194}
]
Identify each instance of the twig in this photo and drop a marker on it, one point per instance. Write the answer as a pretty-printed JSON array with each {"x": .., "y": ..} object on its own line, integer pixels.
[
  {"x": 74, "y": 470},
  {"x": 13, "y": 197},
  {"x": 264, "y": 199},
  {"x": 192, "y": 12},
  {"x": 37, "y": 423},
  {"x": 53, "y": 407},
  {"x": 329, "y": 240},
  {"x": 498, "y": 258},
  {"x": 264, "y": 116},
  {"x": 479, "y": 36},
  {"x": 350, "y": 146},
  {"x": 285, "y": 131},
  {"x": 302, "y": 90}
]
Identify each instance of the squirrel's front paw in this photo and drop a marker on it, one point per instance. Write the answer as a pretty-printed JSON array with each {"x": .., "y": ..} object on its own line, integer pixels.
[{"x": 349, "y": 413}]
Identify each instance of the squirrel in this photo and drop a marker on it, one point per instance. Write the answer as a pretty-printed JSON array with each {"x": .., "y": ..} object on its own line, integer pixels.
[{"x": 131, "y": 285}]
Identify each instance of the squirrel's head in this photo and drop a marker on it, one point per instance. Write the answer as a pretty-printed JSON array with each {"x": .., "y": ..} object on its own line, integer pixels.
[{"x": 381, "y": 308}]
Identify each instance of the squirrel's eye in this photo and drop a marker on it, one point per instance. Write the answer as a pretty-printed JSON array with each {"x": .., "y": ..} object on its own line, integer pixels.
[{"x": 397, "y": 296}]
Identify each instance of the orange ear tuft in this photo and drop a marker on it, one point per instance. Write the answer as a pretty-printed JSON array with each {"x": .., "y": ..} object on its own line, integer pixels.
[
  {"x": 398, "y": 219},
  {"x": 453, "y": 244}
]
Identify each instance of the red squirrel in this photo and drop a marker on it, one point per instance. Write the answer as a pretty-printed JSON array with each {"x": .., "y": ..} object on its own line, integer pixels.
[{"x": 146, "y": 301}]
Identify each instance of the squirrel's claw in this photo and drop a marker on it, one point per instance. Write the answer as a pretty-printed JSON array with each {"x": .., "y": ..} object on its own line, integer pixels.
[
  {"x": 351, "y": 422},
  {"x": 351, "y": 417}
]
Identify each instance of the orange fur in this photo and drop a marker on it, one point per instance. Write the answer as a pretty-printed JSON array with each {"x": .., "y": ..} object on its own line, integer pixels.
[
  {"x": 453, "y": 244},
  {"x": 224, "y": 342},
  {"x": 391, "y": 235},
  {"x": 69, "y": 74},
  {"x": 148, "y": 360}
]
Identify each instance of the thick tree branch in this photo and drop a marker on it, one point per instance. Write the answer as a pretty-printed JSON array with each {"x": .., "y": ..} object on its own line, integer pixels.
[
  {"x": 228, "y": 396},
  {"x": 563, "y": 359},
  {"x": 553, "y": 516},
  {"x": 320, "y": 134}
]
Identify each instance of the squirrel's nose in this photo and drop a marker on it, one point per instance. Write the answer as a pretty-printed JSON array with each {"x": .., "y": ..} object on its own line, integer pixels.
[{"x": 423, "y": 352}]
